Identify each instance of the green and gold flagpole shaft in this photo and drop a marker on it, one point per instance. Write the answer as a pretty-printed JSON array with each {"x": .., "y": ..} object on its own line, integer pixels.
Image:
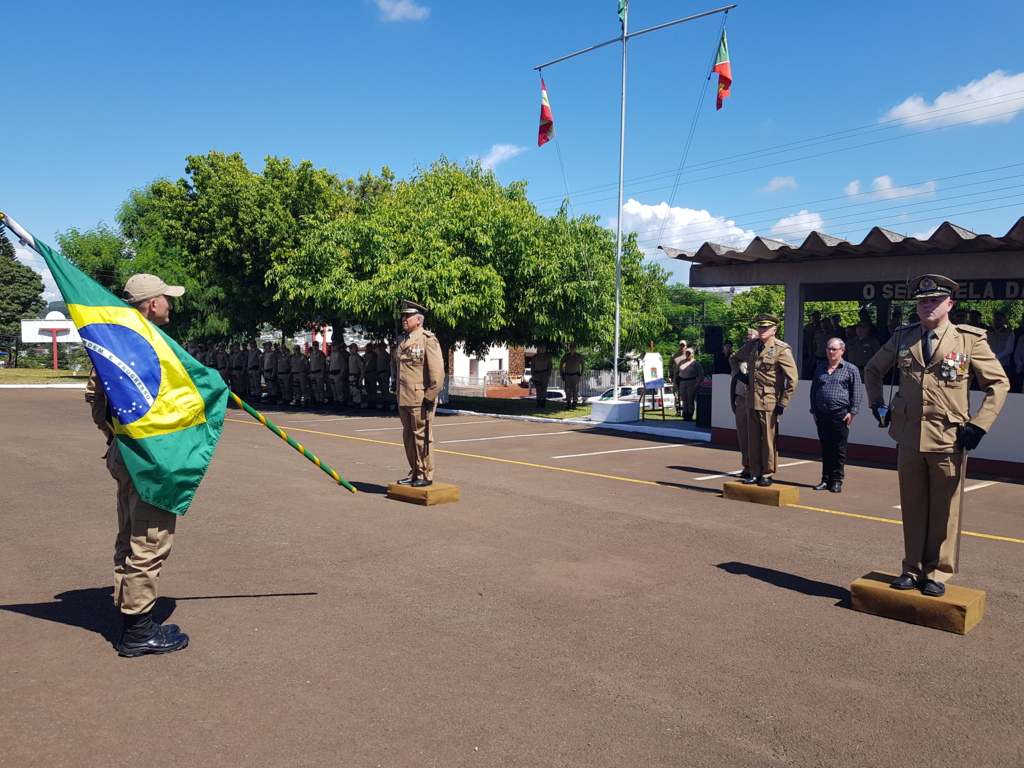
[{"x": 280, "y": 433}]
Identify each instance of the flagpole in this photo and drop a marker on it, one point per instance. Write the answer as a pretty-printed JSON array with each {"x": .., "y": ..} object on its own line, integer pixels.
[
  {"x": 624, "y": 37},
  {"x": 618, "y": 223},
  {"x": 280, "y": 433}
]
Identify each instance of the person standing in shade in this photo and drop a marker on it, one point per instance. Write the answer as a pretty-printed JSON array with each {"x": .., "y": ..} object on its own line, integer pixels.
[
  {"x": 269, "y": 371},
  {"x": 673, "y": 369},
  {"x": 541, "y": 375},
  {"x": 835, "y": 400},
  {"x": 317, "y": 372},
  {"x": 338, "y": 366},
  {"x": 383, "y": 375},
  {"x": 771, "y": 382},
  {"x": 355, "y": 375},
  {"x": 300, "y": 375},
  {"x": 145, "y": 532},
  {"x": 285, "y": 380},
  {"x": 689, "y": 375},
  {"x": 253, "y": 362},
  {"x": 370, "y": 375},
  {"x": 418, "y": 368},
  {"x": 861, "y": 348},
  {"x": 930, "y": 419},
  {"x": 571, "y": 369}
]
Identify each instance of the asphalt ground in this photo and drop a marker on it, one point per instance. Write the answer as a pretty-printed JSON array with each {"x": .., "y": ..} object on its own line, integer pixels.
[{"x": 590, "y": 601}]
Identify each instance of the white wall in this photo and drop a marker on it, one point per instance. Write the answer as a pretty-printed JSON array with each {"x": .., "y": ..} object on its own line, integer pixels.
[
  {"x": 1003, "y": 443},
  {"x": 496, "y": 359}
]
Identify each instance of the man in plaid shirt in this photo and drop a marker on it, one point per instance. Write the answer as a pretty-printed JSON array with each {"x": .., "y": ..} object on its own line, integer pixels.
[{"x": 835, "y": 400}]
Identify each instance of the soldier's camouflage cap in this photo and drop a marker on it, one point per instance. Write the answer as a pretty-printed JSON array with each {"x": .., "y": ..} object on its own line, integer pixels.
[
  {"x": 765, "y": 320},
  {"x": 926, "y": 286},
  {"x": 412, "y": 308}
]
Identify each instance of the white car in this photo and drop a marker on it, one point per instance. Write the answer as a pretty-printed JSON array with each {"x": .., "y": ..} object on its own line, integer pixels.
[
  {"x": 630, "y": 394},
  {"x": 555, "y": 395}
]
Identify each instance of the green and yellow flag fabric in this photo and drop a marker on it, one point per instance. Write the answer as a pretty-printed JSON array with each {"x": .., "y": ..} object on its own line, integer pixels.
[
  {"x": 167, "y": 408},
  {"x": 622, "y": 13}
]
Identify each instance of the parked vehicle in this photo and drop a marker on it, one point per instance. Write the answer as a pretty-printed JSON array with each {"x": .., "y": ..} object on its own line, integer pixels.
[
  {"x": 630, "y": 394},
  {"x": 557, "y": 395}
]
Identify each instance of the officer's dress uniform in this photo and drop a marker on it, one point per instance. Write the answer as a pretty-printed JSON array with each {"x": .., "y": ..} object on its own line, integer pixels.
[
  {"x": 742, "y": 419},
  {"x": 254, "y": 362},
  {"x": 540, "y": 376},
  {"x": 773, "y": 374},
  {"x": 571, "y": 370},
  {"x": 418, "y": 367},
  {"x": 355, "y": 377},
  {"x": 317, "y": 372},
  {"x": 285, "y": 380},
  {"x": 929, "y": 408}
]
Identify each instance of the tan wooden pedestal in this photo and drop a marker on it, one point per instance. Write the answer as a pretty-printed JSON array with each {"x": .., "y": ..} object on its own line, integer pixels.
[
  {"x": 774, "y": 495},
  {"x": 956, "y": 611},
  {"x": 428, "y": 496}
]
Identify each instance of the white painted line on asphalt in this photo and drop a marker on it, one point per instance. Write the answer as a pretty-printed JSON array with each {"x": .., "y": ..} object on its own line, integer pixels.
[
  {"x": 433, "y": 426},
  {"x": 506, "y": 437},
  {"x": 341, "y": 418},
  {"x": 974, "y": 487},
  {"x": 624, "y": 450},
  {"x": 727, "y": 474}
]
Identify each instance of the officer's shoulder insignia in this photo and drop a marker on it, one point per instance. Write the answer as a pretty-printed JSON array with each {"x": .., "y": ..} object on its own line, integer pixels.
[
  {"x": 781, "y": 343},
  {"x": 432, "y": 342},
  {"x": 971, "y": 329}
]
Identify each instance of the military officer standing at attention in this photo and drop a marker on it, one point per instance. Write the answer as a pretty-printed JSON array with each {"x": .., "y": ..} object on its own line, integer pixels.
[
  {"x": 285, "y": 380},
  {"x": 673, "y": 368},
  {"x": 540, "y": 374},
  {"x": 930, "y": 419},
  {"x": 269, "y": 370},
  {"x": 771, "y": 382},
  {"x": 689, "y": 375},
  {"x": 418, "y": 367},
  {"x": 300, "y": 374},
  {"x": 370, "y": 374},
  {"x": 254, "y": 361},
  {"x": 571, "y": 368}
]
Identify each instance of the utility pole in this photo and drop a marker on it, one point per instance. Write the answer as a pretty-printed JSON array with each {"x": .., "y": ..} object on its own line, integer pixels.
[{"x": 624, "y": 38}]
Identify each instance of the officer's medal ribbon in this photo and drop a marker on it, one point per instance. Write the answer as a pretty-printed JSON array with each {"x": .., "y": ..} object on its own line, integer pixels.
[
  {"x": 950, "y": 366},
  {"x": 416, "y": 351}
]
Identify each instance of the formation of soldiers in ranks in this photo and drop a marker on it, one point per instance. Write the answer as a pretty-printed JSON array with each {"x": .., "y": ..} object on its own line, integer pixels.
[{"x": 340, "y": 376}]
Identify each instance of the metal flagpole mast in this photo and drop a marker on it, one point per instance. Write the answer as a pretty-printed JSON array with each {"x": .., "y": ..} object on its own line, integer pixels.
[{"x": 622, "y": 152}]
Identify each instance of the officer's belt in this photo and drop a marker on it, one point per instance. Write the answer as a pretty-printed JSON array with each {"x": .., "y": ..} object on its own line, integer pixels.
[
  {"x": 546, "y": 370},
  {"x": 236, "y": 368},
  {"x": 572, "y": 374},
  {"x": 318, "y": 370},
  {"x": 691, "y": 378},
  {"x": 335, "y": 371}
]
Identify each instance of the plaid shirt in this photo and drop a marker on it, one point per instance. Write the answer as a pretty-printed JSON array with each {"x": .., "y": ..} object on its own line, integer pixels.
[{"x": 840, "y": 391}]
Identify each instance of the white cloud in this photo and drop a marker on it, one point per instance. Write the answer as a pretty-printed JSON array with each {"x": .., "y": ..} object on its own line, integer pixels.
[
  {"x": 926, "y": 234},
  {"x": 402, "y": 10},
  {"x": 30, "y": 258},
  {"x": 500, "y": 153},
  {"x": 993, "y": 99},
  {"x": 882, "y": 188},
  {"x": 779, "y": 182},
  {"x": 796, "y": 227}
]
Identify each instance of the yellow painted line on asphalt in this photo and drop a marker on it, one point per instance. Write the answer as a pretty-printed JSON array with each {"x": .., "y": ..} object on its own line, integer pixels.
[
  {"x": 616, "y": 477},
  {"x": 900, "y": 522}
]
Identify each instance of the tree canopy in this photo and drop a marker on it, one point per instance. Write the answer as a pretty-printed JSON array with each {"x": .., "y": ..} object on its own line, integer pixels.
[{"x": 21, "y": 290}]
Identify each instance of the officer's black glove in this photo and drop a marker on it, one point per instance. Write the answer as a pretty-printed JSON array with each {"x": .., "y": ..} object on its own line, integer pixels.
[
  {"x": 779, "y": 410},
  {"x": 969, "y": 437},
  {"x": 743, "y": 378},
  {"x": 428, "y": 404},
  {"x": 878, "y": 410}
]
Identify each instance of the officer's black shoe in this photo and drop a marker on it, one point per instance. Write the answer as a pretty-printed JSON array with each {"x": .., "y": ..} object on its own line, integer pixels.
[
  {"x": 421, "y": 483},
  {"x": 836, "y": 487},
  {"x": 933, "y": 588},
  {"x": 764, "y": 482},
  {"x": 743, "y": 475},
  {"x": 903, "y": 582},
  {"x": 749, "y": 480},
  {"x": 405, "y": 481},
  {"x": 822, "y": 486},
  {"x": 167, "y": 629},
  {"x": 143, "y": 636}
]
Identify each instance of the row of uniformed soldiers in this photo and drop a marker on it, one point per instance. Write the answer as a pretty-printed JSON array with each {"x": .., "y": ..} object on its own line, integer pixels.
[{"x": 343, "y": 376}]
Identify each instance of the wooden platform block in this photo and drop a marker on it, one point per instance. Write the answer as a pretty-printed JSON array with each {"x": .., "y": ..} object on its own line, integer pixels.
[
  {"x": 956, "y": 611},
  {"x": 774, "y": 495},
  {"x": 428, "y": 496}
]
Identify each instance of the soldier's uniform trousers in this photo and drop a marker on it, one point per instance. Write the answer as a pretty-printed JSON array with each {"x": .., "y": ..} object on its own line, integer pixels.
[
  {"x": 238, "y": 380},
  {"x": 742, "y": 421},
  {"x": 540, "y": 381},
  {"x": 687, "y": 389},
  {"x": 383, "y": 385},
  {"x": 316, "y": 381},
  {"x": 339, "y": 381},
  {"x": 415, "y": 422},
  {"x": 144, "y": 538},
  {"x": 930, "y": 500},
  {"x": 354, "y": 388},
  {"x": 572, "y": 387},
  {"x": 287, "y": 383},
  {"x": 254, "y": 380},
  {"x": 762, "y": 427}
]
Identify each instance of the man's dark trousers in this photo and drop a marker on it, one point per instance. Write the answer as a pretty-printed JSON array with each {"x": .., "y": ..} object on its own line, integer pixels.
[{"x": 833, "y": 434}]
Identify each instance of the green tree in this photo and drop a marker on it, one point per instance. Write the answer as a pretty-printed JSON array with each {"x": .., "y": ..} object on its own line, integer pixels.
[
  {"x": 21, "y": 290},
  {"x": 101, "y": 253}
]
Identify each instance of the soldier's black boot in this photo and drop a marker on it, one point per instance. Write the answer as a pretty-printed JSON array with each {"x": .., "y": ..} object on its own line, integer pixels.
[{"x": 144, "y": 636}]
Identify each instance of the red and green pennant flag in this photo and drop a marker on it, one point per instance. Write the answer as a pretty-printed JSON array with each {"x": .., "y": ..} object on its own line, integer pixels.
[
  {"x": 724, "y": 70},
  {"x": 547, "y": 123},
  {"x": 167, "y": 408}
]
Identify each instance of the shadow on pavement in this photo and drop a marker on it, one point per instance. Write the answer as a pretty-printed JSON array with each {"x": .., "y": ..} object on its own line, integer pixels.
[
  {"x": 373, "y": 488},
  {"x": 789, "y": 581},
  {"x": 91, "y": 609}
]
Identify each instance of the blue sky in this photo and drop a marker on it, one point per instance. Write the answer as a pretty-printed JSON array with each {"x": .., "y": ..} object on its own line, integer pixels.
[{"x": 843, "y": 116}]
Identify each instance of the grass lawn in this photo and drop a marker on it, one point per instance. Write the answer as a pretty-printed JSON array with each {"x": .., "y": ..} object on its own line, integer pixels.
[
  {"x": 529, "y": 407},
  {"x": 41, "y": 376}
]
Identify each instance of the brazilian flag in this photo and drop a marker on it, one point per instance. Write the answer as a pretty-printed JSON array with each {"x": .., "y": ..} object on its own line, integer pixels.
[{"x": 168, "y": 409}]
